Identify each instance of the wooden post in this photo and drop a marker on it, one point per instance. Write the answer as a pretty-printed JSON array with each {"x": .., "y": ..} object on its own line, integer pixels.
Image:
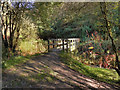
[
  {"x": 48, "y": 45},
  {"x": 63, "y": 43},
  {"x": 72, "y": 44},
  {"x": 53, "y": 44},
  {"x": 60, "y": 43},
  {"x": 67, "y": 45},
  {"x": 57, "y": 42}
]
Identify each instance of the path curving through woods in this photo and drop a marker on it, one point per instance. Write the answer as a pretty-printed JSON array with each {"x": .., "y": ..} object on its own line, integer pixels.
[{"x": 47, "y": 71}]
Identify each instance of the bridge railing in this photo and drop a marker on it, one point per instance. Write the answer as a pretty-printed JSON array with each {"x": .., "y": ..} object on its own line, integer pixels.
[{"x": 63, "y": 44}]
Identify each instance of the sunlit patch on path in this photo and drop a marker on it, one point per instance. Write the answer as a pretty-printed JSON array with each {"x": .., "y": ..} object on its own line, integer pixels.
[{"x": 47, "y": 71}]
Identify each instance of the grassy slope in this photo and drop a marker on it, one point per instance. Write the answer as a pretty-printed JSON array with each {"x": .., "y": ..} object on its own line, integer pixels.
[{"x": 101, "y": 74}]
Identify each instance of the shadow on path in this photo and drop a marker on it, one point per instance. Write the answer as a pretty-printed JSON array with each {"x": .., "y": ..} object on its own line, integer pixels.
[{"x": 48, "y": 71}]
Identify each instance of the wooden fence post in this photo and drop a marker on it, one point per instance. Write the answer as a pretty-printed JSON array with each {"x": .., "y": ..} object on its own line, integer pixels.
[
  {"x": 53, "y": 44},
  {"x": 63, "y": 43},
  {"x": 57, "y": 42},
  {"x": 71, "y": 45},
  {"x": 67, "y": 45},
  {"x": 48, "y": 45}
]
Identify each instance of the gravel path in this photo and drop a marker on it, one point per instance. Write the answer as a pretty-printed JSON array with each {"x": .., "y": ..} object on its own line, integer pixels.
[{"x": 47, "y": 71}]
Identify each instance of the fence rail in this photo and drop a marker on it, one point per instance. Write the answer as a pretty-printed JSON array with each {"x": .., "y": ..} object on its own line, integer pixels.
[{"x": 63, "y": 44}]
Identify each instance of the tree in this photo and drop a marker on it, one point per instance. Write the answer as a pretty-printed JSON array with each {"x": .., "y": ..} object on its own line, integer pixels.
[
  {"x": 104, "y": 12},
  {"x": 11, "y": 23}
]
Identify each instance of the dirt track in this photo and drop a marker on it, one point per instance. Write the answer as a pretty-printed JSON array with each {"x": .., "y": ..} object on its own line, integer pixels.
[{"x": 47, "y": 71}]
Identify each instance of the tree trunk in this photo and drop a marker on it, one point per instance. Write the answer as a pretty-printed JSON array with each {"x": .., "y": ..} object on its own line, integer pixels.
[{"x": 104, "y": 10}]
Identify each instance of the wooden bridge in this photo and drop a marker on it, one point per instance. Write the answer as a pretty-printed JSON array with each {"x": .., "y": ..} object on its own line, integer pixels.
[{"x": 69, "y": 44}]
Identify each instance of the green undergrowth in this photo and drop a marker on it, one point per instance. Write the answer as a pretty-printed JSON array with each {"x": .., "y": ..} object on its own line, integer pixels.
[
  {"x": 15, "y": 60},
  {"x": 100, "y": 74}
]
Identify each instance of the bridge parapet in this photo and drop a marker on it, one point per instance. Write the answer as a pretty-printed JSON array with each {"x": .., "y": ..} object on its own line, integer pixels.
[{"x": 63, "y": 44}]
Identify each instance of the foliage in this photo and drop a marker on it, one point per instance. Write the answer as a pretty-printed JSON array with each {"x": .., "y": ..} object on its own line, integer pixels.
[
  {"x": 103, "y": 7},
  {"x": 18, "y": 29},
  {"x": 35, "y": 46},
  {"x": 101, "y": 54},
  {"x": 11, "y": 23},
  {"x": 28, "y": 39},
  {"x": 28, "y": 29}
]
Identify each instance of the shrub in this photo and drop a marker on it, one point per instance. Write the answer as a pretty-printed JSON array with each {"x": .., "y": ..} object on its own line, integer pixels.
[{"x": 32, "y": 47}]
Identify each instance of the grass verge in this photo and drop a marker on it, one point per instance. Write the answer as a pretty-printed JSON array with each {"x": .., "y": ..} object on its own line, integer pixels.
[
  {"x": 100, "y": 74},
  {"x": 15, "y": 60}
]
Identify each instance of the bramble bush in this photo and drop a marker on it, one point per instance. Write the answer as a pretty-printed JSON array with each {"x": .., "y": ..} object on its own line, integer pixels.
[{"x": 97, "y": 51}]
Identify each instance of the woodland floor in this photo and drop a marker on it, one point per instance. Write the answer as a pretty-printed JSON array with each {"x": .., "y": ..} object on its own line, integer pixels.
[{"x": 47, "y": 71}]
